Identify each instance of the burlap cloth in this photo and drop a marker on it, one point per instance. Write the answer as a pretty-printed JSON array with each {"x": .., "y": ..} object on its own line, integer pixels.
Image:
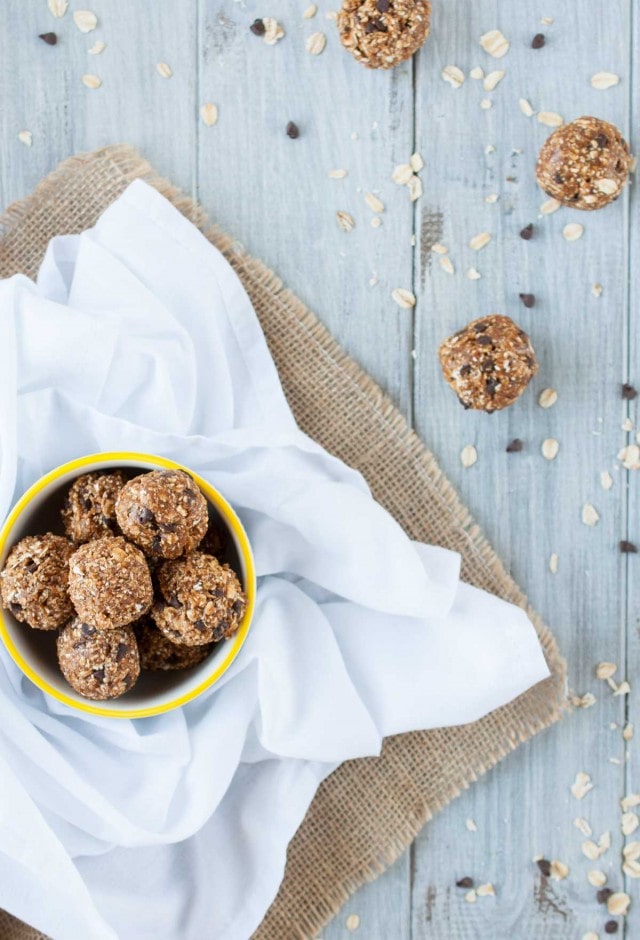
[{"x": 367, "y": 812}]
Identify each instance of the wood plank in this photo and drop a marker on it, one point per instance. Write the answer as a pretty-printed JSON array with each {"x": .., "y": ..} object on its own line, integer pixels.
[{"x": 529, "y": 507}]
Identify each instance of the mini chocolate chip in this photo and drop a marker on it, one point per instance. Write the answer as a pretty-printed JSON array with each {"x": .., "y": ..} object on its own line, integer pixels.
[
  {"x": 530, "y": 362},
  {"x": 370, "y": 27},
  {"x": 168, "y": 527},
  {"x": 618, "y": 168},
  {"x": 156, "y": 545},
  {"x": 237, "y": 606},
  {"x": 379, "y": 25},
  {"x": 611, "y": 926},
  {"x": 492, "y": 386},
  {"x": 383, "y": 6},
  {"x": 545, "y": 866},
  {"x": 50, "y": 38},
  {"x": 628, "y": 548},
  {"x": 465, "y": 882},
  {"x": 15, "y": 608},
  {"x": 515, "y": 446},
  {"x": 98, "y": 674},
  {"x": 538, "y": 41},
  {"x": 200, "y": 625},
  {"x": 174, "y": 602},
  {"x": 258, "y": 28},
  {"x": 603, "y": 895},
  {"x": 481, "y": 326},
  {"x": 144, "y": 515},
  {"x": 31, "y": 566},
  {"x": 85, "y": 503},
  {"x": 602, "y": 140},
  {"x": 172, "y": 659},
  {"x": 485, "y": 340},
  {"x": 527, "y": 299},
  {"x": 121, "y": 652},
  {"x": 80, "y": 645},
  {"x": 558, "y": 178},
  {"x": 527, "y": 232},
  {"x": 465, "y": 370},
  {"x": 293, "y": 131},
  {"x": 88, "y": 630},
  {"x": 128, "y": 681},
  {"x": 488, "y": 365},
  {"x": 628, "y": 392}
]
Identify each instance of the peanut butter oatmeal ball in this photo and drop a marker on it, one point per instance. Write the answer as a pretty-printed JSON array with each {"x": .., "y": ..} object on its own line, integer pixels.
[
  {"x": 383, "y": 33},
  {"x": 99, "y": 664},
  {"x": 584, "y": 164},
  {"x": 89, "y": 510},
  {"x": 163, "y": 512},
  {"x": 201, "y": 600},
  {"x": 33, "y": 584},
  {"x": 109, "y": 583},
  {"x": 489, "y": 363},
  {"x": 157, "y": 653}
]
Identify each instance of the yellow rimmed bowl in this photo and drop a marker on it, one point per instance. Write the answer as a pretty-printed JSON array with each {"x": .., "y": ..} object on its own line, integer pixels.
[{"x": 34, "y": 651}]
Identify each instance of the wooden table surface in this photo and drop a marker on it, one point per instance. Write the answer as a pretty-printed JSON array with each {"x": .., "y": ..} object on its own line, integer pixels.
[{"x": 275, "y": 195}]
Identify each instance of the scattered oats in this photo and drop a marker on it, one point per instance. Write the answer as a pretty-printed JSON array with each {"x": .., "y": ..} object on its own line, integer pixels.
[
  {"x": 492, "y": 80},
  {"x": 439, "y": 249},
  {"x": 596, "y": 878},
  {"x": 582, "y": 825},
  {"x": 402, "y": 174},
  {"x": 629, "y": 823},
  {"x": 373, "y": 280},
  {"x": 591, "y": 850},
  {"x": 584, "y": 701},
  {"x": 415, "y": 188},
  {"x": 573, "y": 231},
  {"x": 551, "y": 205},
  {"x": 473, "y": 275},
  {"x": 630, "y": 457},
  {"x": 550, "y": 119},
  {"x": 97, "y": 48},
  {"x": 590, "y": 515},
  {"x": 629, "y": 801},
  {"x": 605, "y": 670},
  {"x": 590, "y": 935},
  {"x": 631, "y": 851},
  {"x": 91, "y": 81},
  {"x": 525, "y": 107},
  {"x": 376, "y": 222},
  {"x": 486, "y": 103},
  {"x": 559, "y": 870},
  {"x": 164, "y": 70},
  {"x": 623, "y": 689},
  {"x": 310, "y": 12},
  {"x": 581, "y": 785},
  {"x": 547, "y": 398},
  {"x": 85, "y": 20},
  {"x": 618, "y": 904},
  {"x": 57, "y": 8},
  {"x": 345, "y": 221},
  {"x": 476, "y": 73},
  {"x": 26, "y": 138},
  {"x": 553, "y": 564},
  {"x": 613, "y": 725},
  {"x": 547, "y": 20},
  {"x": 453, "y": 75},
  {"x": 375, "y": 204},
  {"x": 632, "y": 869},
  {"x": 413, "y": 241},
  {"x": 332, "y": 15},
  {"x": 468, "y": 455},
  {"x": 447, "y": 264},
  {"x": 487, "y": 890},
  {"x": 627, "y": 424},
  {"x": 491, "y": 198},
  {"x": 604, "y": 842},
  {"x": 489, "y": 149},
  {"x": 614, "y": 760},
  {"x": 416, "y": 162},
  {"x": 471, "y": 826},
  {"x": 315, "y": 43},
  {"x": 273, "y": 31},
  {"x": 550, "y": 448},
  {"x": 627, "y": 731},
  {"x": 404, "y": 298},
  {"x": 209, "y": 114},
  {"x": 479, "y": 241},
  {"x": 352, "y": 922},
  {"x": 494, "y": 43},
  {"x": 606, "y": 480},
  {"x": 471, "y": 897},
  {"x": 604, "y": 80},
  {"x": 596, "y": 290}
]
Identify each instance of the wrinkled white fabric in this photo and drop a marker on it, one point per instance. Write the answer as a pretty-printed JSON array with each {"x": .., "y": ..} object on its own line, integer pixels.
[{"x": 139, "y": 336}]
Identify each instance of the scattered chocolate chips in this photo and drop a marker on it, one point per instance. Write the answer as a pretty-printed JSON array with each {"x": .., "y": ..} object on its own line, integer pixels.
[
  {"x": 485, "y": 340},
  {"x": 465, "y": 370},
  {"x": 528, "y": 299},
  {"x": 121, "y": 652},
  {"x": 174, "y": 602},
  {"x": 88, "y": 630},
  {"x": 98, "y": 675},
  {"x": 527, "y": 232},
  {"x": 628, "y": 548},
  {"x": 611, "y": 926},
  {"x": 628, "y": 392},
  {"x": 515, "y": 446},
  {"x": 15, "y": 608},
  {"x": 50, "y": 38},
  {"x": 465, "y": 882},
  {"x": 258, "y": 28},
  {"x": 603, "y": 895},
  {"x": 538, "y": 41},
  {"x": 31, "y": 566},
  {"x": 602, "y": 140},
  {"x": 293, "y": 131},
  {"x": 545, "y": 866},
  {"x": 200, "y": 625}
]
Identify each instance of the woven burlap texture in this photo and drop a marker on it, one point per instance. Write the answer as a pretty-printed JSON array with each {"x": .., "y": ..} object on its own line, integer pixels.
[{"x": 367, "y": 812}]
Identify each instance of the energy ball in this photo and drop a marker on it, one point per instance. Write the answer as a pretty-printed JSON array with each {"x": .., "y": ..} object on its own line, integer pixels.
[
  {"x": 99, "y": 664},
  {"x": 157, "y": 653},
  {"x": 584, "y": 164},
  {"x": 33, "y": 584},
  {"x": 383, "y": 33},
  {"x": 109, "y": 583},
  {"x": 201, "y": 600},
  {"x": 489, "y": 363},
  {"x": 163, "y": 512},
  {"x": 89, "y": 510}
]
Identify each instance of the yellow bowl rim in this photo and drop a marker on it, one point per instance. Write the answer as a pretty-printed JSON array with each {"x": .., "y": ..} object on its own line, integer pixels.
[{"x": 242, "y": 542}]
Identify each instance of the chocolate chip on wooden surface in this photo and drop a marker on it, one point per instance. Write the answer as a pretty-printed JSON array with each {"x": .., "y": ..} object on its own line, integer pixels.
[
  {"x": 528, "y": 299},
  {"x": 465, "y": 882},
  {"x": 628, "y": 548},
  {"x": 293, "y": 131},
  {"x": 258, "y": 28},
  {"x": 611, "y": 926},
  {"x": 603, "y": 895},
  {"x": 527, "y": 232},
  {"x": 628, "y": 392},
  {"x": 538, "y": 41},
  {"x": 545, "y": 866},
  {"x": 515, "y": 446},
  {"x": 50, "y": 38}
]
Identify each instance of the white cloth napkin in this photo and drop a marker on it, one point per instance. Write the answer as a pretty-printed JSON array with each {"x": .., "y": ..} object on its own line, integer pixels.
[{"x": 138, "y": 335}]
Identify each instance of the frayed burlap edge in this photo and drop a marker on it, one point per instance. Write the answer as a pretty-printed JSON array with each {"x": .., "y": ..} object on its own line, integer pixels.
[{"x": 341, "y": 842}]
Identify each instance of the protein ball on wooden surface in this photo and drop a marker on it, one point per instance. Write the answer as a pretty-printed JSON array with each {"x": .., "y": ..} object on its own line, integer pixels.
[
  {"x": 202, "y": 600},
  {"x": 109, "y": 583},
  {"x": 157, "y": 653},
  {"x": 99, "y": 664},
  {"x": 489, "y": 363},
  {"x": 33, "y": 584},
  {"x": 584, "y": 164},
  {"x": 382, "y": 33},
  {"x": 89, "y": 510},
  {"x": 163, "y": 512}
]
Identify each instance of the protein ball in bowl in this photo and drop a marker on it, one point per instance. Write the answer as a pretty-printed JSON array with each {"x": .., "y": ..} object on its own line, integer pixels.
[
  {"x": 163, "y": 512},
  {"x": 99, "y": 664},
  {"x": 109, "y": 583},
  {"x": 33, "y": 583},
  {"x": 584, "y": 164},
  {"x": 157, "y": 653},
  {"x": 383, "y": 33},
  {"x": 489, "y": 363},
  {"x": 89, "y": 510},
  {"x": 202, "y": 600}
]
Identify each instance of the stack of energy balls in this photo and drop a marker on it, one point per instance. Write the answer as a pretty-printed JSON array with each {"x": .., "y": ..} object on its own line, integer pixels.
[{"x": 135, "y": 584}]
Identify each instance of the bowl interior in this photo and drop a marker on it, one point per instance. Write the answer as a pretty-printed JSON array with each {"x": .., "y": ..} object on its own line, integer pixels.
[{"x": 35, "y": 650}]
